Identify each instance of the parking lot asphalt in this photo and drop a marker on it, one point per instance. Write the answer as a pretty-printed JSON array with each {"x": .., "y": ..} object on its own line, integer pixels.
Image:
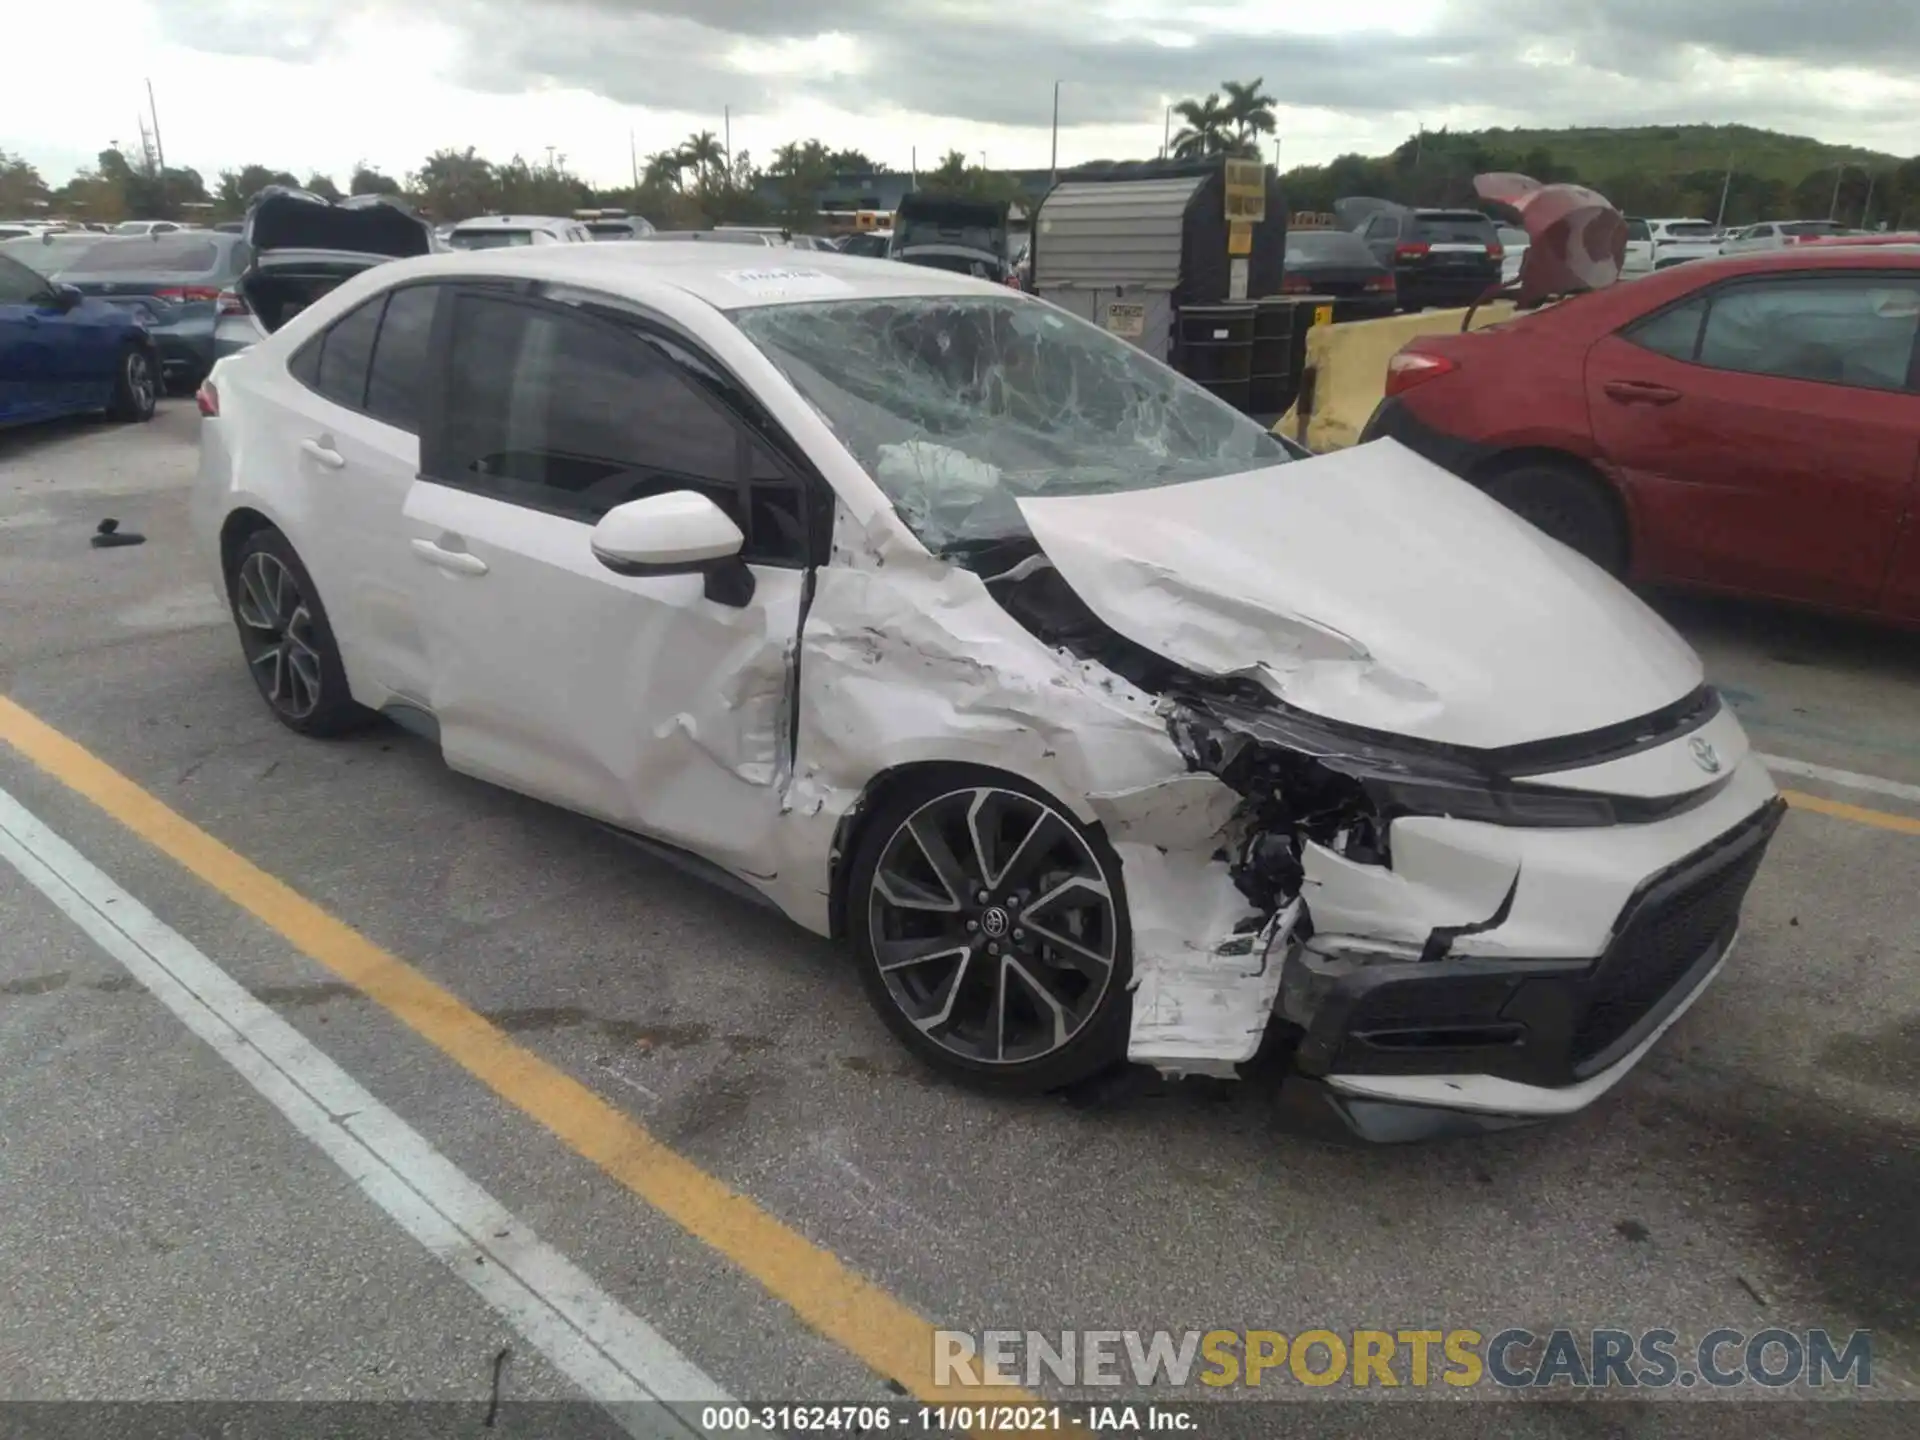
[{"x": 170, "y": 1233}]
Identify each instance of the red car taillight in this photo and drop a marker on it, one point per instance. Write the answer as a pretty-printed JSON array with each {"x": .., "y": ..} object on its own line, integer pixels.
[
  {"x": 1380, "y": 282},
  {"x": 1295, "y": 285},
  {"x": 1411, "y": 250},
  {"x": 181, "y": 293},
  {"x": 1496, "y": 252},
  {"x": 208, "y": 399},
  {"x": 231, "y": 304},
  {"x": 1410, "y": 368}
]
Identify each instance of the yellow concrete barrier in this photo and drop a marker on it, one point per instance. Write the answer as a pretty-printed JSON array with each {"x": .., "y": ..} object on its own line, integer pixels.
[{"x": 1347, "y": 370}]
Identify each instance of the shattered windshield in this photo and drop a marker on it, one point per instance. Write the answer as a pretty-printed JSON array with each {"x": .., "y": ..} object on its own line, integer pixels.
[{"x": 960, "y": 405}]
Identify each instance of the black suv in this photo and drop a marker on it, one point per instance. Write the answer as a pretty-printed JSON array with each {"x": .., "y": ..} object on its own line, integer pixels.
[{"x": 1438, "y": 257}]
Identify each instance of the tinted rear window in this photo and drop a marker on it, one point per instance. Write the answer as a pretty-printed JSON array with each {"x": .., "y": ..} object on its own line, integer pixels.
[
  {"x": 158, "y": 255},
  {"x": 1637, "y": 230},
  {"x": 1318, "y": 246},
  {"x": 1812, "y": 227},
  {"x": 489, "y": 239},
  {"x": 1690, "y": 230},
  {"x": 1464, "y": 225}
]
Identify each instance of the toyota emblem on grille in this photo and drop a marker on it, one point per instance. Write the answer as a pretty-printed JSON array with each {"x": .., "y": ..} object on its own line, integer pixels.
[{"x": 1705, "y": 756}]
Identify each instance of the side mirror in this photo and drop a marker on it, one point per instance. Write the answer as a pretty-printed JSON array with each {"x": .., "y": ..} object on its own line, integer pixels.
[
  {"x": 679, "y": 533},
  {"x": 65, "y": 297}
]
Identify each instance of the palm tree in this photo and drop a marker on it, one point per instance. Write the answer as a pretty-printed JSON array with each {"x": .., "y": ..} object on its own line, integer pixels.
[
  {"x": 664, "y": 168},
  {"x": 1250, "y": 113},
  {"x": 1205, "y": 129},
  {"x": 704, "y": 155}
]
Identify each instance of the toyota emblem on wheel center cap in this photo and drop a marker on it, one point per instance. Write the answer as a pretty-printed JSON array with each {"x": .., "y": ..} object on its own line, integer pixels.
[
  {"x": 1705, "y": 756},
  {"x": 994, "y": 922}
]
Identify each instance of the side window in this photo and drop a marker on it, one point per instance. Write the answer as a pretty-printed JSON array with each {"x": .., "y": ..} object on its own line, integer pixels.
[
  {"x": 1674, "y": 333},
  {"x": 1854, "y": 331},
  {"x": 345, "y": 352},
  {"x": 396, "y": 381},
  {"x": 569, "y": 415},
  {"x": 20, "y": 285}
]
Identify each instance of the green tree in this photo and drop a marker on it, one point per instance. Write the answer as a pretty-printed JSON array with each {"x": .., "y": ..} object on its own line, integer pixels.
[
  {"x": 22, "y": 191},
  {"x": 323, "y": 185},
  {"x": 1249, "y": 115},
  {"x": 238, "y": 187},
  {"x": 368, "y": 181},
  {"x": 456, "y": 184},
  {"x": 704, "y": 155},
  {"x": 1206, "y": 129}
]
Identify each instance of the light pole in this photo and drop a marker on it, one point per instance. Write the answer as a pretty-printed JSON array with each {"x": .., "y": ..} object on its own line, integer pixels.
[
  {"x": 1839, "y": 173},
  {"x": 1054, "y": 165}
]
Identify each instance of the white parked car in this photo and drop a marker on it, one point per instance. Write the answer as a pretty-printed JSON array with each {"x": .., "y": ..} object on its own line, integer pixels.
[
  {"x": 503, "y": 232},
  {"x": 1657, "y": 244},
  {"x": 1778, "y": 234},
  {"x": 1100, "y": 722}
]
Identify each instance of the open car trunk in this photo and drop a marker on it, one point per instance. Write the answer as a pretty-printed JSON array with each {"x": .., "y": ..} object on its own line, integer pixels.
[
  {"x": 278, "y": 287},
  {"x": 946, "y": 224},
  {"x": 304, "y": 245}
]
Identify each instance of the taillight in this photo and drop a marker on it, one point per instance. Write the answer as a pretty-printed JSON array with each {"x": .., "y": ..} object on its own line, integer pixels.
[
  {"x": 1380, "y": 282},
  {"x": 1296, "y": 285},
  {"x": 1410, "y": 368},
  {"x": 181, "y": 293},
  {"x": 1411, "y": 250},
  {"x": 1496, "y": 252},
  {"x": 208, "y": 399},
  {"x": 231, "y": 304}
]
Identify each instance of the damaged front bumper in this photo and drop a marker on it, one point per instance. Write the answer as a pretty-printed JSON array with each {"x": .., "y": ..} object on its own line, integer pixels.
[{"x": 1404, "y": 1049}]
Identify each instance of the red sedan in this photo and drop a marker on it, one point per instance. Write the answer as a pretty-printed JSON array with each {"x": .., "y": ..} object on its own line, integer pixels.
[{"x": 1748, "y": 424}]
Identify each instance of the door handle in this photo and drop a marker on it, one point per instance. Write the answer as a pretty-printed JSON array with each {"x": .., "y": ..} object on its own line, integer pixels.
[
  {"x": 1640, "y": 392},
  {"x": 325, "y": 453},
  {"x": 457, "y": 561}
]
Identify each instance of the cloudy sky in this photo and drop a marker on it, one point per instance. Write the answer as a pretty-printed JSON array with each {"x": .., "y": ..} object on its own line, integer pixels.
[{"x": 321, "y": 84}]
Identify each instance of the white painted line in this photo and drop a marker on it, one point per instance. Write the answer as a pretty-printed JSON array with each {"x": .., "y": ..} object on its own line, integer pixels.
[
  {"x": 1847, "y": 779},
  {"x": 613, "y": 1355}
]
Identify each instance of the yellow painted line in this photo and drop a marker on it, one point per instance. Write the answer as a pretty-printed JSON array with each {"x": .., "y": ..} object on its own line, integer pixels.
[
  {"x": 1859, "y": 814},
  {"x": 888, "y": 1335}
]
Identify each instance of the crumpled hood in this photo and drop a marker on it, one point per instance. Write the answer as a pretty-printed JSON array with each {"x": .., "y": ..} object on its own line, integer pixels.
[{"x": 1373, "y": 588}]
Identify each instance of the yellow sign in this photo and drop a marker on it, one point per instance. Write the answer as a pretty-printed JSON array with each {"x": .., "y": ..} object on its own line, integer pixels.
[
  {"x": 1246, "y": 190},
  {"x": 1239, "y": 237},
  {"x": 1323, "y": 315}
]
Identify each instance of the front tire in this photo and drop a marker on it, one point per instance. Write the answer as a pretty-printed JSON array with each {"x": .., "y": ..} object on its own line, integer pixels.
[
  {"x": 1570, "y": 505},
  {"x": 990, "y": 929},
  {"x": 136, "y": 387},
  {"x": 287, "y": 639}
]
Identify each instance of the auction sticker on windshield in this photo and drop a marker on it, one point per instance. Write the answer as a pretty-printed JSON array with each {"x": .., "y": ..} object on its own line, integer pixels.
[
  {"x": 776, "y": 281},
  {"x": 1129, "y": 322}
]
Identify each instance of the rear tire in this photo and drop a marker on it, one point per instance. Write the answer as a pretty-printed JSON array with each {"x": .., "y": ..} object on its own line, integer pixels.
[
  {"x": 1025, "y": 992},
  {"x": 1570, "y": 504},
  {"x": 136, "y": 386},
  {"x": 288, "y": 641}
]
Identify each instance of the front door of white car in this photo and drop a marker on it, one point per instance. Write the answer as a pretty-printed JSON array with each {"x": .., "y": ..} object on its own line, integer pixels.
[{"x": 662, "y": 703}]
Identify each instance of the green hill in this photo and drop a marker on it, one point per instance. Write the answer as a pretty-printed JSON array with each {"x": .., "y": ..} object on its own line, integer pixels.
[
  {"x": 1645, "y": 170},
  {"x": 1682, "y": 149}
]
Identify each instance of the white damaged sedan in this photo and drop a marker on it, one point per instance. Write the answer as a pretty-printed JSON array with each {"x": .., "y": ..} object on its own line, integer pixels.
[{"x": 1102, "y": 725}]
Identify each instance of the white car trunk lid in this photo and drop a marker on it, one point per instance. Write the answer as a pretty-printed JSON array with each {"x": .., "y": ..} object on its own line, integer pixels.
[{"x": 1372, "y": 588}]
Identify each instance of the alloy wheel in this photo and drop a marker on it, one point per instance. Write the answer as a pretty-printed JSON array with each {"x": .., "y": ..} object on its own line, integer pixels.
[
  {"x": 140, "y": 383},
  {"x": 276, "y": 631},
  {"x": 993, "y": 925}
]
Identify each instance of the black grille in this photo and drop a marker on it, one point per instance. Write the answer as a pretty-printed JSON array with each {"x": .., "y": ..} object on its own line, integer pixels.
[
  {"x": 1673, "y": 924},
  {"x": 1432, "y": 1004}
]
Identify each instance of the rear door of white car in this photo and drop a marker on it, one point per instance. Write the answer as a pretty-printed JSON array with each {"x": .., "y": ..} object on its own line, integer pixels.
[
  {"x": 647, "y": 701},
  {"x": 345, "y": 419}
]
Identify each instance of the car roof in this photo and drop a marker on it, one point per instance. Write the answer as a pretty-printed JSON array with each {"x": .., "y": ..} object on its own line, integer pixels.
[{"x": 726, "y": 277}]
